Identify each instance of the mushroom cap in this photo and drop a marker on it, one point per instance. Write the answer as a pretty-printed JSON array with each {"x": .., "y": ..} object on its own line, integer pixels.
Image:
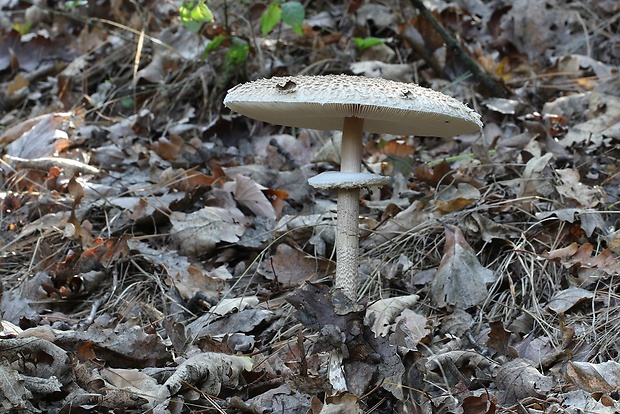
[
  {"x": 337, "y": 179},
  {"x": 322, "y": 102}
]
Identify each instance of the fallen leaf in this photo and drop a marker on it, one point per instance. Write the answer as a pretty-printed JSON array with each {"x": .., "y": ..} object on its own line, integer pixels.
[
  {"x": 381, "y": 314},
  {"x": 498, "y": 338},
  {"x": 603, "y": 377},
  {"x": 249, "y": 194},
  {"x": 456, "y": 198},
  {"x": 291, "y": 267},
  {"x": 572, "y": 188},
  {"x": 460, "y": 279},
  {"x": 484, "y": 403},
  {"x": 199, "y": 232},
  {"x": 226, "y": 306},
  {"x": 518, "y": 379},
  {"x": 565, "y": 299},
  {"x": 413, "y": 325},
  {"x": 43, "y": 139},
  {"x": 207, "y": 372},
  {"x": 535, "y": 180}
]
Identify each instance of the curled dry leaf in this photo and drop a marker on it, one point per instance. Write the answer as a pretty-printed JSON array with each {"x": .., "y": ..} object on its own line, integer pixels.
[
  {"x": 229, "y": 305},
  {"x": 452, "y": 366},
  {"x": 42, "y": 138},
  {"x": 207, "y": 372},
  {"x": 380, "y": 315},
  {"x": 413, "y": 326},
  {"x": 250, "y": 195}
]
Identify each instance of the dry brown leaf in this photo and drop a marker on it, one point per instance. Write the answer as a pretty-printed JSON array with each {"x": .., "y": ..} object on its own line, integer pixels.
[
  {"x": 499, "y": 338},
  {"x": 226, "y": 306},
  {"x": 413, "y": 325},
  {"x": 341, "y": 403},
  {"x": 563, "y": 252},
  {"x": 43, "y": 139},
  {"x": 197, "y": 233},
  {"x": 441, "y": 172},
  {"x": 456, "y": 198},
  {"x": 292, "y": 267},
  {"x": 572, "y": 188},
  {"x": 484, "y": 403},
  {"x": 602, "y": 126},
  {"x": 519, "y": 379},
  {"x": 401, "y": 72},
  {"x": 131, "y": 382},
  {"x": 207, "y": 372},
  {"x": 249, "y": 194},
  {"x": 460, "y": 280},
  {"x": 166, "y": 149},
  {"x": 603, "y": 377},
  {"x": 583, "y": 259},
  {"x": 565, "y": 299},
  {"x": 535, "y": 181},
  {"x": 381, "y": 314}
]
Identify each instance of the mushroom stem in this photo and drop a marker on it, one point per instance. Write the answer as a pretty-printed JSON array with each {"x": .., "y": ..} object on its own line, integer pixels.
[{"x": 347, "y": 231}]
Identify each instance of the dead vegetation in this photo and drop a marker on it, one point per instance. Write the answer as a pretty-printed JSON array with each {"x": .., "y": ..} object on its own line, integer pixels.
[{"x": 161, "y": 254}]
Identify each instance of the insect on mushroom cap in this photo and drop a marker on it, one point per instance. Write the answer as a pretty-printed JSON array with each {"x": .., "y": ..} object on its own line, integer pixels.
[{"x": 322, "y": 102}]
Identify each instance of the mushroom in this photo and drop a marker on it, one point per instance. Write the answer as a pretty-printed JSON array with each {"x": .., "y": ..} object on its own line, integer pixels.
[{"x": 354, "y": 105}]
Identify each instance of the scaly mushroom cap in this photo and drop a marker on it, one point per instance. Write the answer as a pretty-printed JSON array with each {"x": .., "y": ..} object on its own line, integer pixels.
[{"x": 322, "y": 102}]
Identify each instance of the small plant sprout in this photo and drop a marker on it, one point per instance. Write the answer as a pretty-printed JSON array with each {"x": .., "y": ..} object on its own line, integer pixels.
[{"x": 352, "y": 105}]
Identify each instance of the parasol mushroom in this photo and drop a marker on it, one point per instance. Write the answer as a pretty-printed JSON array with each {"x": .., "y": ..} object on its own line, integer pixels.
[{"x": 354, "y": 105}]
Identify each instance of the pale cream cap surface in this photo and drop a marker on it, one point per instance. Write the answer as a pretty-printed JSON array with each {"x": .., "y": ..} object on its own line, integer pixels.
[{"x": 322, "y": 102}]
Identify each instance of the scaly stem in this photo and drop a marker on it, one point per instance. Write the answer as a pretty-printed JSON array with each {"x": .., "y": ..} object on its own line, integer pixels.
[{"x": 347, "y": 231}]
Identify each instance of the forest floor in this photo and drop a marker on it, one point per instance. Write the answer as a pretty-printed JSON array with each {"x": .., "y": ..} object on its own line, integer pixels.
[{"x": 163, "y": 254}]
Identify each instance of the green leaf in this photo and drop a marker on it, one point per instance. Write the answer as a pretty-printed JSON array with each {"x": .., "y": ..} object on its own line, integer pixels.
[
  {"x": 22, "y": 28},
  {"x": 363, "y": 44},
  {"x": 213, "y": 44},
  {"x": 270, "y": 18},
  {"x": 202, "y": 13},
  {"x": 293, "y": 14},
  {"x": 192, "y": 26},
  {"x": 238, "y": 52},
  {"x": 194, "y": 14},
  {"x": 127, "y": 102}
]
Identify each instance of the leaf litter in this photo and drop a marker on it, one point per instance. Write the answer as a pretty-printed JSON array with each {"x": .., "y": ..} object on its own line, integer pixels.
[{"x": 161, "y": 254}]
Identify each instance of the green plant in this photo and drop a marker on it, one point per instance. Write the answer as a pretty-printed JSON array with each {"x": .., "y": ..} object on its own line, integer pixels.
[
  {"x": 291, "y": 13},
  {"x": 22, "y": 28},
  {"x": 194, "y": 13},
  {"x": 237, "y": 51},
  {"x": 236, "y": 55},
  {"x": 367, "y": 42},
  {"x": 72, "y": 4}
]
